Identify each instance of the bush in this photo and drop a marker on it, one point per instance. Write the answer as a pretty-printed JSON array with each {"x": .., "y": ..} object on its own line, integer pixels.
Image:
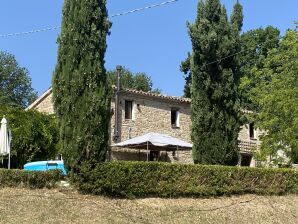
[
  {"x": 29, "y": 179},
  {"x": 35, "y": 136},
  {"x": 139, "y": 179}
]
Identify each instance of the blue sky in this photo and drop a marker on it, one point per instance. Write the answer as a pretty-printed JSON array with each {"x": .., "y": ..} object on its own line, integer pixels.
[{"x": 154, "y": 41}]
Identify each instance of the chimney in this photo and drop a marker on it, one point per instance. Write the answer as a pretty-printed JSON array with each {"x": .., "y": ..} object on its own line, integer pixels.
[{"x": 116, "y": 128}]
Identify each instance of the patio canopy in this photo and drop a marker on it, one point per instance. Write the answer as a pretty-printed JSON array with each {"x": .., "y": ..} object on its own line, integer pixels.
[{"x": 155, "y": 141}]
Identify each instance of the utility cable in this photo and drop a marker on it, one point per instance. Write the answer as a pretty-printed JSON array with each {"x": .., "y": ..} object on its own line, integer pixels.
[{"x": 112, "y": 16}]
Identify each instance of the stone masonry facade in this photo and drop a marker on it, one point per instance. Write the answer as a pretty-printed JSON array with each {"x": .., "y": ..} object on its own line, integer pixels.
[{"x": 154, "y": 113}]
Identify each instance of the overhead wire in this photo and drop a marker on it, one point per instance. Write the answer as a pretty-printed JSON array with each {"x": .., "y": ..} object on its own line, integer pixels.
[
  {"x": 122, "y": 14},
  {"x": 239, "y": 52},
  {"x": 112, "y": 16}
]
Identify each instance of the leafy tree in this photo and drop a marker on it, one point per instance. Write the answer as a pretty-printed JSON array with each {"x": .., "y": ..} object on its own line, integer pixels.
[
  {"x": 15, "y": 83},
  {"x": 139, "y": 81},
  {"x": 277, "y": 94},
  {"x": 215, "y": 112},
  {"x": 255, "y": 46},
  {"x": 35, "y": 136},
  {"x": 80, "y": 87}
]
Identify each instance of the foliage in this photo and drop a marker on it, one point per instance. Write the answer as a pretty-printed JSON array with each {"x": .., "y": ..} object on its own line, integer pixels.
[
  {"x": 185, "y": 68},
  {"x": 237, "y": 16},
  {"x": 35, "y": 136},
  {"x": 215, "y": 109},
  {"x": 139, "y": 179},
  {"x": 81, "y": 93},
  {"x": 15, "y": 83},
  {"x": 236, "y": 21},
  {"x": 138, "y": 81},
  {"x": 29, "y": 179},
  {"x": 255, "y": 45},
  {"x": 277, "y": 92}
]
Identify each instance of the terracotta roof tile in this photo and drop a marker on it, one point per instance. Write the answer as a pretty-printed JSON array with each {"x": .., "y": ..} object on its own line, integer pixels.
[{"x": 133, "y": 91}]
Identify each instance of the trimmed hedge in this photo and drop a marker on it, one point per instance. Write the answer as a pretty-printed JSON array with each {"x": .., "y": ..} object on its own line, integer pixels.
[
  {"x": 29, "y": 179},
  {"x": 143, "y": 179}
]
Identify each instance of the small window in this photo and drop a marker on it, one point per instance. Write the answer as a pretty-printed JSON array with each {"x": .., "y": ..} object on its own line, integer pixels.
[
  {"x": 175, "y": 118},
  {"x": 128, "y": 109},
  {"x": 251, "y": 130}
]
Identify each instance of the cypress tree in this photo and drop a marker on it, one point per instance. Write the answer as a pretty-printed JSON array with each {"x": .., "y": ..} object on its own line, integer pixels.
[
  {"x": 237, "y": 16},
  {"x": 81, "y": 95},
  {"x": 215, "y": 111}
]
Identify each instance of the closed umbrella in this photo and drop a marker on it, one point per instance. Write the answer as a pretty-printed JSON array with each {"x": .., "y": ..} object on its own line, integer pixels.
[{"x": 5, "y": 139}]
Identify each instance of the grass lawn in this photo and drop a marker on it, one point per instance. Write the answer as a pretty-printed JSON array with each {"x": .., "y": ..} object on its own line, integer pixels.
[{"x": 61, "y": 206}]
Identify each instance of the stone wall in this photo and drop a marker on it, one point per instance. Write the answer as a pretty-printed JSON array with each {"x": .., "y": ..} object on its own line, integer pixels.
[
  {"x": 45, "y": 105},
  {"x": 151, "y": 114}
]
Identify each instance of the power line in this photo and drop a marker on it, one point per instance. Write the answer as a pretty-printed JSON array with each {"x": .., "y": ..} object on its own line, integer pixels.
[
  {"x": 30, "y": 32},
  {"x": 144, "y": 8},
  {"x": 239, "y": 52},
  {"x": 112, "y": 16}
]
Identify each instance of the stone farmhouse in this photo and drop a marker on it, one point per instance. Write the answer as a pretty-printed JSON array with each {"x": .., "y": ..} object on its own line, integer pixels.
[{"x": 141, "y": 112}]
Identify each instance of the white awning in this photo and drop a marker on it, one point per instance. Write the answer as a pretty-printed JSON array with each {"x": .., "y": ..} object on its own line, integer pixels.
[{"x": 155, "y": 141}]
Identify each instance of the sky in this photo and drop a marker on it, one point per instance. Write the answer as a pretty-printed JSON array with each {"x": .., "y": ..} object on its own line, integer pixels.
[{"x": 154, "y": 41}]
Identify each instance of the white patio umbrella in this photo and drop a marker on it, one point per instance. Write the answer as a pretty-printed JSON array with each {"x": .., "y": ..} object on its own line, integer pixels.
[
  {"x": 5, "y": 139},
  {"x": 155, "y": 140}
]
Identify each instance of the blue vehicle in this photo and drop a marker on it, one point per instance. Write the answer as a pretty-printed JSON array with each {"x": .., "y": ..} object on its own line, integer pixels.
[{"x": 46, "y": 165}]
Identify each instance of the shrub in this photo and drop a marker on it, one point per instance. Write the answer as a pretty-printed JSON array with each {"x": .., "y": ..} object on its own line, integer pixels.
[
  {"x": 34, "y": 136},
  {"x": 139, "y": 179},
  {"x": 29, "y": 179}
]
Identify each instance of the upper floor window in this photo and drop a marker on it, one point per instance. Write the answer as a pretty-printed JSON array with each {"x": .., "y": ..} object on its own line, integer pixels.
[
  {"x": 252, "y": 131},
  {"x": 128, "y": 109},
  {"x": 175, "y": 118}
]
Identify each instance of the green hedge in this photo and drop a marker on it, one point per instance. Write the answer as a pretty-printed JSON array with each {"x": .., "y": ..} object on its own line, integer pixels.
[
  {"x": 29, "y": 179},
  {"x": 142, "y": 179}
]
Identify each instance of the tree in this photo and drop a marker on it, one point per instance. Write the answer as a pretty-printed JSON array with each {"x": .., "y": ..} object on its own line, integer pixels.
[
  {"x": 276, "y": 93},
  {"x": 237, "y": 16},
  {"x": 139, "y": 81},
  {"x": 35, "y": 136},
  {"x": 15, "y": 83},
  {"x": 185, "y": 68},
  {"x": 237, "y": 22},
  {"x": 215, "y": 110},
  {"x": 81, "y": 93},
  {"x": 255, "y": 47}
]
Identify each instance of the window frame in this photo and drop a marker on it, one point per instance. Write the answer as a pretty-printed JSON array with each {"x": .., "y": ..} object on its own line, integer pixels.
[
  {"x": 128, "y": 111},
  {"x": 175, "y": 124},
  {"x": 251, "y": 131}
]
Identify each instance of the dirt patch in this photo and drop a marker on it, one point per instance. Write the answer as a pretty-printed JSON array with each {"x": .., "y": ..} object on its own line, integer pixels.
[{"x": 54, "y": 206}]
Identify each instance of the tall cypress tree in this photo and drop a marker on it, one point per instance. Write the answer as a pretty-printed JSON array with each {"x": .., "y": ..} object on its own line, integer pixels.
[
  {"x": 215, "y": 111},
  {"x": 80, "y": 91},
  {"x": 237, "y": 16}
]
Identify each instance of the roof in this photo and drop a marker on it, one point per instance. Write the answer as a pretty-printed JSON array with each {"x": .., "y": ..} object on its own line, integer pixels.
[
  {"x": 132, "y": 91},
  {"x": 156, "y": 95},
  {"x": 40, "y": 99}
]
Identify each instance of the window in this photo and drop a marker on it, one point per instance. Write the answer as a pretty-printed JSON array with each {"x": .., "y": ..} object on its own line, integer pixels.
[
  {"x": 251, "y": 130},
  {"x": 128, "y": 109},
  {"x": 175, "y": 118}
]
